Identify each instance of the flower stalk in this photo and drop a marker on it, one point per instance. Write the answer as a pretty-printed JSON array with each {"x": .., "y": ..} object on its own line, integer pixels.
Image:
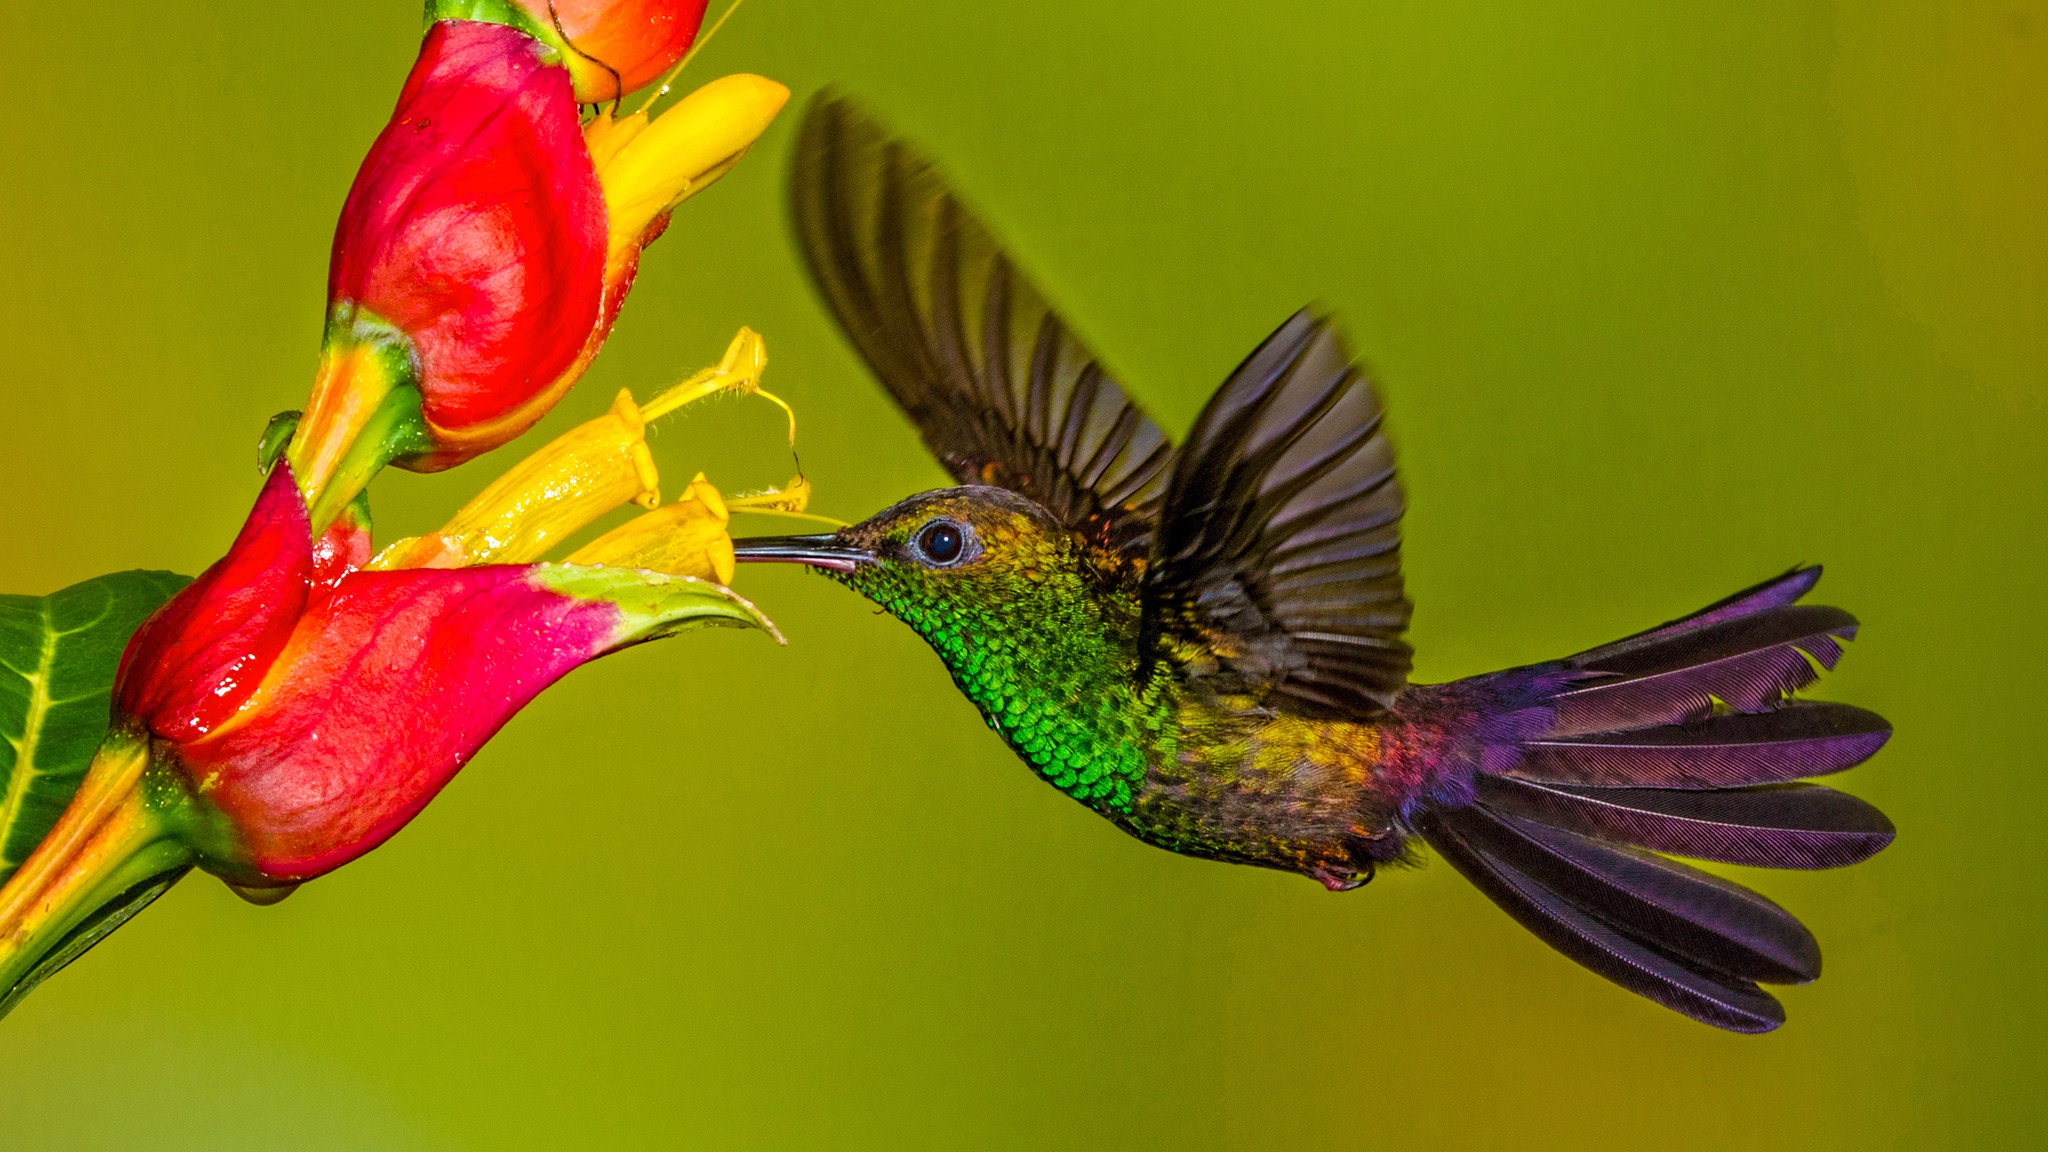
[{"x": 108, "y": 856}]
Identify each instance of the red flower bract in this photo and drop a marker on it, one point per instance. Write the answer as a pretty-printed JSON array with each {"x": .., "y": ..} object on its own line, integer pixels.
[
  {"x": 223, "y": 631},
  {"x": 325, "y": 742},
  {"x": 308, "y": 708},
  {"x": 291, "y": 709},
  {"x": 388, "y": 688},
  {"x": 477, "y": 230}
]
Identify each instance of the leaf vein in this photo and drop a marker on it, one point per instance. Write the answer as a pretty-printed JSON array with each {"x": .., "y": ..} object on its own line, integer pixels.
[{"x": 25, "y": 748}]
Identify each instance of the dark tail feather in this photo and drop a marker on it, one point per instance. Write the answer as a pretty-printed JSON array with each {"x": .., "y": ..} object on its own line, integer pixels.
[
  {"x": 1683, "y": 739},
  {"x": 1744, "y": 664},
  {"x": 1715, "y": 998},
  {"x": 1776, "y": 592},
  {"x": 1791, "y": 742},
  {"x": 1774, "y": 826}
]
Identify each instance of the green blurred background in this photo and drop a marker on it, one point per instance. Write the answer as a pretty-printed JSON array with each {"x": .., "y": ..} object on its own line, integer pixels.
[{"x": 1664, "y": 297}]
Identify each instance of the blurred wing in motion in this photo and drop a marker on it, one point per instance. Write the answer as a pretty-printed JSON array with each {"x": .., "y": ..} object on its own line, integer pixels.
[{"x": 996, "y": 383}]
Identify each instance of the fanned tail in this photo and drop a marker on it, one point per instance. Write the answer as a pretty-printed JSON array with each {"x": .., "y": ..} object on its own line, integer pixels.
[{"x": 1684, "y": 739}]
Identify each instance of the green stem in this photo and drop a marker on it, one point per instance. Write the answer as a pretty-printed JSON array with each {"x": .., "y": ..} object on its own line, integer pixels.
[
  {"x": 110, "y": 854},
  {"x": 396, "y": 429},
  {"x": 363, "y": 414}
]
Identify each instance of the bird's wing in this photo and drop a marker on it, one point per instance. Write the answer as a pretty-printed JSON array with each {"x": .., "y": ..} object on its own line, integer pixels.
[
  {"x": 1276, "y": 573},
  {"x": 998, "y": 386}
]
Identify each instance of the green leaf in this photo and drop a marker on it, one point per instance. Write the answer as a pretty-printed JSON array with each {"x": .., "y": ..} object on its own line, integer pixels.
[{"x": 58, "y": 654}]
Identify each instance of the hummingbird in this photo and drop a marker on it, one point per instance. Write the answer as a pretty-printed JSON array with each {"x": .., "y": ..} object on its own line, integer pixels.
[{"x": 1203, "y": 643}]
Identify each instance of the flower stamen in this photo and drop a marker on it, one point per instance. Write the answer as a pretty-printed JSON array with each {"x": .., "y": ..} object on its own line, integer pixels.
[
  {"x": 788, "y": 502},
  {"x": 739, "y": 370}
]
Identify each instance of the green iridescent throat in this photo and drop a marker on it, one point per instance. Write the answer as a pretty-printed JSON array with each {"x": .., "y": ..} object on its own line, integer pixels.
[{"x": 1048, "y": 659}]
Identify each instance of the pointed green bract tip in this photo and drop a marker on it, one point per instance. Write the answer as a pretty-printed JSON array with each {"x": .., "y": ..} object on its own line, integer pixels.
[
  {"x": 277, "y": 436},
  {"x": 651, "y": 604}
]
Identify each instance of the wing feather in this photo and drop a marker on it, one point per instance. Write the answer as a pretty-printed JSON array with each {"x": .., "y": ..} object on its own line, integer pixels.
[
  {"x": 1277, "y": 572},
  {"x": 999, "y": 387}
]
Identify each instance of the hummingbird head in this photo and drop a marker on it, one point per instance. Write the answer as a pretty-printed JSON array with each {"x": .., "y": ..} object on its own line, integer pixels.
[
  {"x": 968, "y": 568},
  {"x": 1037, "y": 631}
]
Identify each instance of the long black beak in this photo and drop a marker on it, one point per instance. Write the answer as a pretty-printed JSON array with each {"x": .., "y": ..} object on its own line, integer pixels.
[{"x": 817, "y": 551}]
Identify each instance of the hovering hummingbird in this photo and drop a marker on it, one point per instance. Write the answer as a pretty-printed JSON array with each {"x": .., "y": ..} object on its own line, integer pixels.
[{"x": 1204, "y": 644}]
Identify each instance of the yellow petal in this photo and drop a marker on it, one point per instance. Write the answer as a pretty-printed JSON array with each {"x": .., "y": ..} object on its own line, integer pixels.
[
  {"x": 661, "y": 164},
  {"x": 575, "y": 478},
  {"x": 686, "y": 538},
  {"x": 606, "y": 134}
]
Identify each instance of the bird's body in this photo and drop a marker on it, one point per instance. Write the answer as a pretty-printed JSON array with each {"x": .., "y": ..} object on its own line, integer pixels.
[
  {"x": 1203, "y": 644},
  {"x": 1051, "y": 656}
]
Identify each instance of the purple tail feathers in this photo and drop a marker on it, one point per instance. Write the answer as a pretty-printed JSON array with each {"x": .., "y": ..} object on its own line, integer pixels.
[{"x": 1686, "y": 740}]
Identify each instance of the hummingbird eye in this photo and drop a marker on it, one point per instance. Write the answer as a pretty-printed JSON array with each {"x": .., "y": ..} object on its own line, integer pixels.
[{"x": 942, "y": 542}]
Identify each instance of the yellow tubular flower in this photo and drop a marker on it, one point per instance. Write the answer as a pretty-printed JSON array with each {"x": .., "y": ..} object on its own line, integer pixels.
[
  {"x": 687, "y": 538},
  {"x": 691, "y": 537},
  {"x": 582, "y": 474},
  {"x": 648, "y": 167},
  {"x": 579, "y": 476}
]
